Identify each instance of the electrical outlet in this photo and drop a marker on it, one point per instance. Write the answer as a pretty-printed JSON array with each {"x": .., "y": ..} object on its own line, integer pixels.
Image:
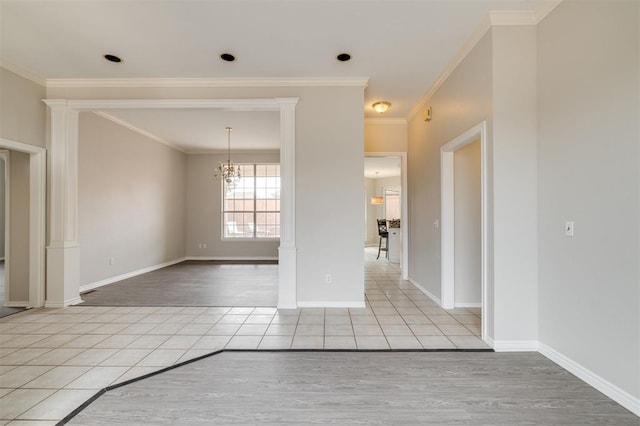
[
  {"x": 204, "y": 245},
  {"x": 327, "y": 278},
  {"x": 568, "y": 229}
]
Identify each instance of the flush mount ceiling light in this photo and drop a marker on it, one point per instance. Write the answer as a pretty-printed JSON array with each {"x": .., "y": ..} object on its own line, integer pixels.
[
  {"x": 381, "y": 107},
  {"x": 343, "y": 57},
  {"x": 112, "y": 58},
  {"x": 227, "y": 57},
  {"x": 228, "y": 172}
]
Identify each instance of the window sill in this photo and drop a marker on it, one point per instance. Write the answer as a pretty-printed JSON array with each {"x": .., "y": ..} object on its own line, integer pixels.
[{"x": 251, "y": 240}]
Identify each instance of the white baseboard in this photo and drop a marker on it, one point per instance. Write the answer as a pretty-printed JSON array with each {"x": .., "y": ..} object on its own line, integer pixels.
[
  {"x": 620, "y": 396},
  {"x": 515, "y": 345},
  {"x": 468, "y": 305},
  {"x": 425, "y": 291},
  {"x": 17, "y": 304},
  {"x": 68, "y": 302},
  {"x": 131, "y": 274},
  {"x": 249, "y": 258},
  {"x": 331, "y": 305}
]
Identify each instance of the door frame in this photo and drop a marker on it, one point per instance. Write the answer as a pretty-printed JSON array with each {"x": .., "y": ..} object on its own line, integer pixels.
[
  {"x": 403, "y": 205},
  {"x": 447, "y": 236},
  {"x": 37, "y": 219}
]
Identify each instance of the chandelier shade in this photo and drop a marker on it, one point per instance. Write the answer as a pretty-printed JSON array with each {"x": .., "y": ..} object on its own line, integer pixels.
[{"x": 228, "y": 172}]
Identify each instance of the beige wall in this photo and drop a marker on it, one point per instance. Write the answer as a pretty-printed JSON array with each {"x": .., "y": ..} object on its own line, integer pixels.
[
  {"x": 463, "y": 101},
  {"x": 19, "y": 223},
  {"x": 2, "y": 206},
  {"x": 131, "y": 202},
  {"x": 204, "y": 208},
  {"x": 468, "y": 271},
  {"x": 22, "y": 112},
  {"x": 589, "y": 173},
  {"x": 382, "y": 135},
  {"x": 329, "y": 167}
]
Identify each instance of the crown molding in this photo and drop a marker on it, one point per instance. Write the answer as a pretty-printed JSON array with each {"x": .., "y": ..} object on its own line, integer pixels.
[
  {"x": 495, "y": 18},
  {"x": 23, "y": 72},
  {"x": 544, "y": 9},
  {"x": 477, "y": 35},
  {"x": 208, "y": 82},
  {"x": 139, "y": 131},
  {"x": 385, "y": 120}
]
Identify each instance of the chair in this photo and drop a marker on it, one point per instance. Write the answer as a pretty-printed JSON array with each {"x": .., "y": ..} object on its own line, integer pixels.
[{"x": 383, "y": 233}]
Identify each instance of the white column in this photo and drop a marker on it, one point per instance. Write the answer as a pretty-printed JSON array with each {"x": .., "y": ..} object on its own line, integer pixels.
[
  {"x": 63, "y": 251},
  {"x": 287, "y": 295}
]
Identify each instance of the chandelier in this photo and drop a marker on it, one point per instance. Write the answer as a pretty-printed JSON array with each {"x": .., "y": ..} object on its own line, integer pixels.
[{"x": 228, "y": 172}]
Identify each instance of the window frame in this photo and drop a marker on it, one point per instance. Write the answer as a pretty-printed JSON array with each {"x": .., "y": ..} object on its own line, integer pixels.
[{"x": 255, "y": 211}]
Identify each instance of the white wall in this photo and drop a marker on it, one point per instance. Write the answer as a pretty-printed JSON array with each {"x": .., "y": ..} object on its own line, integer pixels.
[
  {"x": 467, "y": 225},
  {"x": 589, "y": 173},
  {"x": 131, "y": 200},
  {"x": 204, "y": 208},
  {"x": 329, "y": 166}
]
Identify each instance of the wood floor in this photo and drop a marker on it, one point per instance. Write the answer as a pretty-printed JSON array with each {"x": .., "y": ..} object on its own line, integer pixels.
[
  {"x": 356, "y": 388},
  {"x": 194, "y": 283}
]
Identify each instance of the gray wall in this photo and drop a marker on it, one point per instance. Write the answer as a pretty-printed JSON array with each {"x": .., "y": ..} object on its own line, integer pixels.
[
  {"x": 204, "y": 208},
  {"x": 2, "y": 206},
  {"x": 589, "y": 173},
  {"x": 131, "y": 202},
  {"x": 467, "y": 229}
]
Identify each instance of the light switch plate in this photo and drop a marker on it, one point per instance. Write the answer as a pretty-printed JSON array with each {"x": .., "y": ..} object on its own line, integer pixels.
[{"x": 568, "y": 229}]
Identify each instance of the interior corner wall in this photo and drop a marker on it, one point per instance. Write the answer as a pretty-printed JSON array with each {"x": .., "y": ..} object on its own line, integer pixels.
[
  {"x": 204, "y": 210},
  {"x": 463, "y": 101},
  {"x": 371, "y": 212},
  {"x": 131, "y": 201},
  {"x": 3, "y": 203},
  {"x": 589, "y": 173},
  {"x": 384, "y": 136},
  {"x": 22, "y": 112},
  {"x": 514, "y": 197}
]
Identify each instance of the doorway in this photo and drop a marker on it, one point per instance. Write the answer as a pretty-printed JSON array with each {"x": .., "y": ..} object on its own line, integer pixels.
[
  {"x": 464, "y": 222},
  {"x": 385, "y": 183}
]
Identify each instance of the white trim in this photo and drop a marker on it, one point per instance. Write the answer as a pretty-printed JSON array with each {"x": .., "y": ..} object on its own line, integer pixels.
[
  {"x": 515, "y": 345},
  {"x": 331, "y": 305},
  {"x": 425, "y": 291},
  {"x": 249, "y": 258},
  {"x": 64, "y": 304},
  {"x": 476, "y": 36},
  {"x": 138, "y": 130},
  {"x": 468, "y": 305},
  {"x": 545, "y": 8},
  {"x": 210, "y": 82},
  {"x": 489, "y": 341},
  {"x": 447, "y": 219},
  {"x": 91, "y": 286},
  {"x": 404, "y": 214},
  {"x": 380, "y": 120},
  {"x": 37, "y": 217},
  {"x": 22, "y": 72},
  {"x": 17, "y": 304},
  {"x": 620, "y": 396},
  {"x": 63, "y": 254}
]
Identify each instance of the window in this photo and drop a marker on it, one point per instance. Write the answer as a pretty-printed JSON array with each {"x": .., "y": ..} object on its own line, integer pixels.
[{"x": 252, "y": 209}]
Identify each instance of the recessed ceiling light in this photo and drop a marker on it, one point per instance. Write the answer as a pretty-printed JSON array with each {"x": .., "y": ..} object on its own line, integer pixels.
[
  {"x": 227, "y": 57},
  {"x": 343, "y": 57},
  {"x": 112, "y": 58}
]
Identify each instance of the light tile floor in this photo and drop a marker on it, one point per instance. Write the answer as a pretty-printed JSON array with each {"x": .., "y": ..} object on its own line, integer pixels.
[{"x": 52, "y": 360}]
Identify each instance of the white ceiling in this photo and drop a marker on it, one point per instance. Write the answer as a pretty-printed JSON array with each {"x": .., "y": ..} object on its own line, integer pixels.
[
  {"x": 201, "y": 130},
  {"x": 401, "y": 46},
  {"x": 381, "y": 167}
]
